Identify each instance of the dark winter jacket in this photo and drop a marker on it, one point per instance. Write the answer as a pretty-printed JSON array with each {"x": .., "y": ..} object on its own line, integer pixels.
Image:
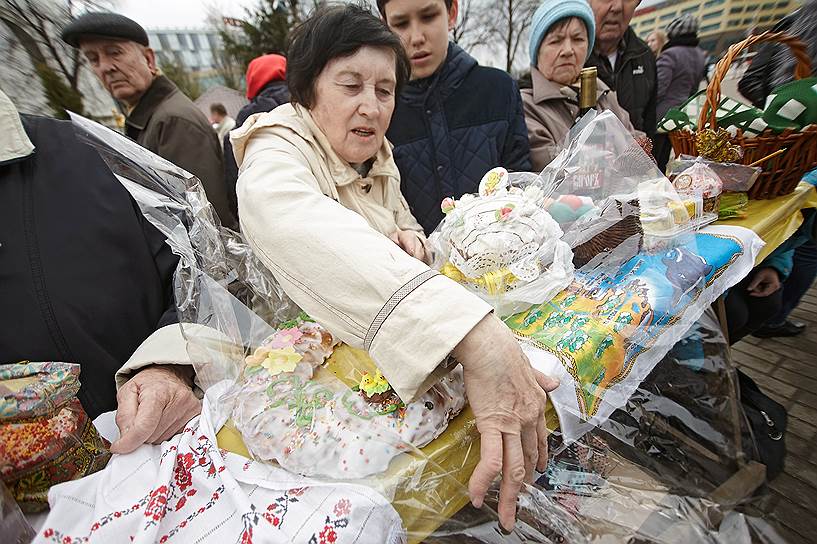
[
  {"x": 633, "y": 80},
  {"x": 451, "y": 128},
  {"x": 681, "y": 68},
  {"x": 773, "y": 65},
  {"x": 271, "y": 96},
  {"x": 84, "y": 277},
  {"x": 166, "y": 122}
]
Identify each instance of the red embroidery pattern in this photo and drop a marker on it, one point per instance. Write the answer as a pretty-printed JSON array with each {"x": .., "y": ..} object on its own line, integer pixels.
[
  {"x": 171, "y": 497},
  {"x": 329, "y": 534},
  {"x": 202, "y": 509},
  {"x": 275, "y": 514}
]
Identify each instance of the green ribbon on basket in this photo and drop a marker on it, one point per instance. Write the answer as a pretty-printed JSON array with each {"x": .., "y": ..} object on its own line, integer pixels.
[
  {"x": 793, "y": 105},
  {"x": 731, "y": 115}
]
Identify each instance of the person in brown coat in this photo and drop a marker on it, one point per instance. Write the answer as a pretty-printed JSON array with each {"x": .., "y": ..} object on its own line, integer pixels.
[
  {"x": 159, "y": 116},
  {"x": 561, "y": 38}
]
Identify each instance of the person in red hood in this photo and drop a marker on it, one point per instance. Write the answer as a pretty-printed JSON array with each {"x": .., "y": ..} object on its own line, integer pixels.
[{"x": 266, "y": 90}]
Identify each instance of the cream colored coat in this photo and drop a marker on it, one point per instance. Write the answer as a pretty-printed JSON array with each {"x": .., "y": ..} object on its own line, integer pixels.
[
  {"x": 321, "y": 228},
  {"x": 550, "y": 112}
]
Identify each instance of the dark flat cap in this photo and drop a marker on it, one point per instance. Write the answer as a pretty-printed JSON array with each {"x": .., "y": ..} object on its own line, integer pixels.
[{"x": 103, "y": 25}]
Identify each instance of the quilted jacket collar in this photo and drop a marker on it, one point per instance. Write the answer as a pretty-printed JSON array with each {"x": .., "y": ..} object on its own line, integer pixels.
[
  {"x": 299, "y": 120},
  {"x": 14, "y": 142},
  {"x": 456, "y": 67}
]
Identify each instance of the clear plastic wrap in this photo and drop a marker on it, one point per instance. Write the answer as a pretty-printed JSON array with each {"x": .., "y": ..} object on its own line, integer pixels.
[
  {"x": 13, "y": 525},
  {"x": 737, "y": 178},
  {"x": 603, "y": 181},
  {"x": 219, "y": 284},
  {"x": 655, "y": 462}
]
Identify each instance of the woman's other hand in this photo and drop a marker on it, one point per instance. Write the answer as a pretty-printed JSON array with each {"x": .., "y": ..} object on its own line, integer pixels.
[
  {"x": 508, "y": 399},
  {"x": 411, "y": 242}
]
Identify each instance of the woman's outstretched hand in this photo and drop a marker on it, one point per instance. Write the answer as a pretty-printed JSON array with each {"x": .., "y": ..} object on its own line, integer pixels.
[{"x": 508, "y": 398}]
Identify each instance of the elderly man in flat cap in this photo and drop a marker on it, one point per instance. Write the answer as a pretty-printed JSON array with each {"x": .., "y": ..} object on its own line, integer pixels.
[{"x": 159, "y": 116}]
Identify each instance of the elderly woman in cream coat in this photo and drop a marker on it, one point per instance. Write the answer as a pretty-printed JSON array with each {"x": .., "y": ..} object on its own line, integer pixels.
[
  {"x": 320, "y": 203},
  {"x": 561, "y": 39}
]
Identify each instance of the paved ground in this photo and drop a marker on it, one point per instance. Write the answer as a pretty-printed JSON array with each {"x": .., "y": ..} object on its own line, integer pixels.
[{"x": 786, "y": 369}]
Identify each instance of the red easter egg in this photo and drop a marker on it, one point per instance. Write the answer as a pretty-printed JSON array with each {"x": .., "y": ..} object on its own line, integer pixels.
[{"x": 572, "y": 200}]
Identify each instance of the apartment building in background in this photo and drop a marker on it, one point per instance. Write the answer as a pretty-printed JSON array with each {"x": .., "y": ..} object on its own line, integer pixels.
[
  {"x": 722, "y": 22},
  {"x": 195, "y": 48}
]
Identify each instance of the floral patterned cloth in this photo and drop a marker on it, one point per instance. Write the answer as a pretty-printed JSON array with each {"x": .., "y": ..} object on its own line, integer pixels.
[
  {"x": 30, "y": 390},
  {"x": 45, "y": 435},
  {"x": 187, "y": 490}
]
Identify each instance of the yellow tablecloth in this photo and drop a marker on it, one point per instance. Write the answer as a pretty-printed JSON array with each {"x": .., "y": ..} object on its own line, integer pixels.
[{"x": 777, "y": 219}]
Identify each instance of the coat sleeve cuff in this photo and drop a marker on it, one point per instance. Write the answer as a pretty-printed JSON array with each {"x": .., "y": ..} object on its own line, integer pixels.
[
  {"x": 165, "y": 346},
  {"x": 418, "y": 327}
]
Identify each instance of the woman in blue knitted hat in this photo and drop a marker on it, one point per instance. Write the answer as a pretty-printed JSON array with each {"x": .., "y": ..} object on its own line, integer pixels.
[{"x": 561, "y": 38}]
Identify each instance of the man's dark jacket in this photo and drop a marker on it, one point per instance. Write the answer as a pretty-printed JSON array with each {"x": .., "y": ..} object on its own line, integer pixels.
[
  {"x": 84, "y": 277},
  {"x": 634, "y": 79},
  {"x": 166, "y": 122},
  {"x": 451, "y": 128},
  {"x": 271, "y": 96}
]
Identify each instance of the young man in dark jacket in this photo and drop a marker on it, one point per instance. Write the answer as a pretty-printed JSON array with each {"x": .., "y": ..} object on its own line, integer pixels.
[
  {"x": 455, "y": 120},
  {"x": 266, "y": 90},
  {"x": 625, "y": 62}
]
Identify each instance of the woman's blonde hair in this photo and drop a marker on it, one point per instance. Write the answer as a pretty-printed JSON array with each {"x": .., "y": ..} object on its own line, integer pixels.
[{"x": 661, "y": 36}]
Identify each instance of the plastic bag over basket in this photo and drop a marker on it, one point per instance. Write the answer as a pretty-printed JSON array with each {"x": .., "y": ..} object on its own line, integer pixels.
[
  {"x": 322, "y": 411},
  {"x": 608, "y": 191}
]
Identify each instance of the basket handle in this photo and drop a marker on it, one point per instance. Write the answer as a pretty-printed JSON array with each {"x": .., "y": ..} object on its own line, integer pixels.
[{"x": 802, "y": 69}]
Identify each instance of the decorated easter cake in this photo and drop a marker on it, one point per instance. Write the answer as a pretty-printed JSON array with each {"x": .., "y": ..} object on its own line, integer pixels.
[
  {"x": 503, "y": 245},
  {"x": 314, "y": 425}
]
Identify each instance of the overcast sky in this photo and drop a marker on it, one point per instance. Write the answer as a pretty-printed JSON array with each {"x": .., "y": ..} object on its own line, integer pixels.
[{"x": 178, "y": 13}]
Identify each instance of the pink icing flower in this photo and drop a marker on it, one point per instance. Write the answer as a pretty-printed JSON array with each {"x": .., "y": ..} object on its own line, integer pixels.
[
  {"x": 504, "y": 213},
  {"x": 285, "y": 338}
]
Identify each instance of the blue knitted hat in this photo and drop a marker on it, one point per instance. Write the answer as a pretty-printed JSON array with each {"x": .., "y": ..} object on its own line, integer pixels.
[{"x": 551, "y": 11}]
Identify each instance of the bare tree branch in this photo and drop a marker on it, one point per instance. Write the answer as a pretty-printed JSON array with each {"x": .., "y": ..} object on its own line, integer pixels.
[
  {"x": 42, "y": 21},
  {"x": 510, "y": 21},
  {"x": 36, "y": 24},
  {"x": 464, "y": 28}
]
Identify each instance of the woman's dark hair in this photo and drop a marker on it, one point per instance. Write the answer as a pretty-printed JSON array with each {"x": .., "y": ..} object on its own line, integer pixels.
[
  {"x": 218, "y": 108},
  {"x": 381, "y": 6},
  {"x": 333, "y": 32}
]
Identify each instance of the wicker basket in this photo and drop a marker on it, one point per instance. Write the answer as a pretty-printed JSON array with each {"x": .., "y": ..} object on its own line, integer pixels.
[
  {"x": 611, "y": 238},
  {"x": 782, "y": 173}
]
